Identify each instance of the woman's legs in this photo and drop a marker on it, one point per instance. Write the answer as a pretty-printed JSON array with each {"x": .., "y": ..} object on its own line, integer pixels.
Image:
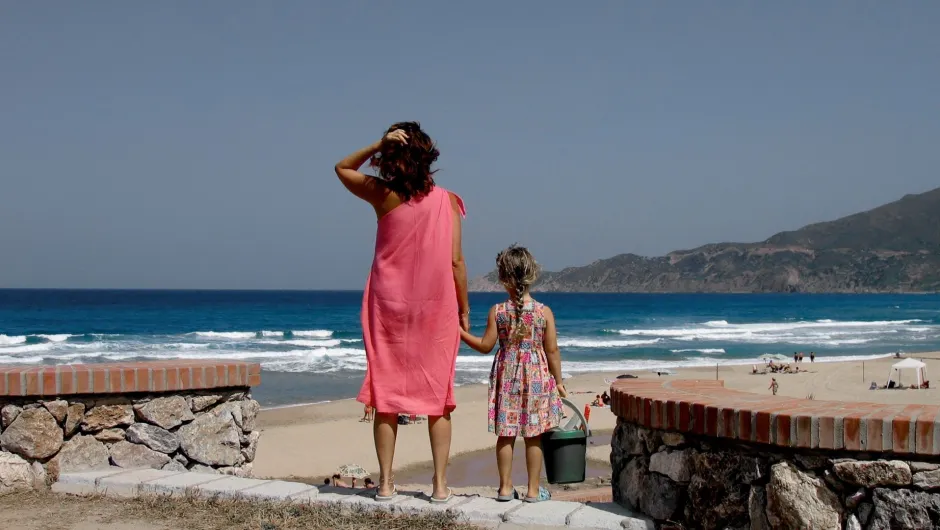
[
  {"x": 504, "y": 447},
  {"x": 533, "y": 464},
  {"x": 385, "y": 431},
  {"x": 439, "y": 430}
]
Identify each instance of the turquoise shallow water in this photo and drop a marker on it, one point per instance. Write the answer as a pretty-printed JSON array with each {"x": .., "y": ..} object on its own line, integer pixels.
[{"x": 309, "y": 342}]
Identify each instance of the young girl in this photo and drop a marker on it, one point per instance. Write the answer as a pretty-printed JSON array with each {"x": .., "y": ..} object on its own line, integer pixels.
[{"x": 525, "y": 382}]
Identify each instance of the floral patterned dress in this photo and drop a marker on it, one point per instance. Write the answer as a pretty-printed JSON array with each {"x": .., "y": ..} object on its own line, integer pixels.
[{"x": 523, "y": 398}]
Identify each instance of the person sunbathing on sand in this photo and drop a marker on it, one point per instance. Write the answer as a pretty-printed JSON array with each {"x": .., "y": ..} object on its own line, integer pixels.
[{"x": 338, "y": 482}]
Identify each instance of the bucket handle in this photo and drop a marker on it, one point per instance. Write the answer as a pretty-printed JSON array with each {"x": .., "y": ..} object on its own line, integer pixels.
[{"x": 578, "y": 420}]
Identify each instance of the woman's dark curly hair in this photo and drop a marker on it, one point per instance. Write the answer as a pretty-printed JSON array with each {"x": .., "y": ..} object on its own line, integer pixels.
[{"x": 406, "y": 168}]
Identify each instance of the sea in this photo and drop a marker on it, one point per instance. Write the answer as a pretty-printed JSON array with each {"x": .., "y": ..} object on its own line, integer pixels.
[{"x": 309, "y": 343}]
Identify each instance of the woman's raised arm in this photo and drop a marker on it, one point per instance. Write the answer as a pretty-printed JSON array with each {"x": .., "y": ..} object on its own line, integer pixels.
[{"x": 366, "y": 187}]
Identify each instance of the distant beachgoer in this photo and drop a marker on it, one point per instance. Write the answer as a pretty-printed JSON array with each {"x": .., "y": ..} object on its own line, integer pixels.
[
  {"x": 326, "y": 481},
  {"x": 338, "y": 482},
  {"x": 812, "y": 356},
  {"x": 801, "y": 356},
  {"x": 605, "y": 399},
  {"x": 367, "y": 412},
  {"x": 368, "y": 484},
  {"x": 774, "y": 386},
  {"x": 796, "y": 357},
  {"x": 597, "y": 401},
  {"x": 415, "y": 299},
  {"x": 526, "y": 382}
]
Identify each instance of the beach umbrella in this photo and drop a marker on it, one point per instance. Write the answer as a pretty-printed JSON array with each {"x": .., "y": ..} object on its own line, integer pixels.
[{"x": 352, "y": 471}]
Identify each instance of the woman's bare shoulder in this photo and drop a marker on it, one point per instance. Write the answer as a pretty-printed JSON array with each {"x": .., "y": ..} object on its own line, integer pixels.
[{"x": 456, "y": 202}]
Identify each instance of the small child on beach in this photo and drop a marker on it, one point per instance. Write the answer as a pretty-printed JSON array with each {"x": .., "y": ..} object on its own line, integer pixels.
[{"x": 525, "y": 381}]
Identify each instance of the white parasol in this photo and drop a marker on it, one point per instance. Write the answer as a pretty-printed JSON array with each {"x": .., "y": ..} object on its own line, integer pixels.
[{"x": 352, "y": 471}]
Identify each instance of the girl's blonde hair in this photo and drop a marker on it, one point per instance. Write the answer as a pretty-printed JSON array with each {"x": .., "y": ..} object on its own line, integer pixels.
[{"x": 517, "y": 271}]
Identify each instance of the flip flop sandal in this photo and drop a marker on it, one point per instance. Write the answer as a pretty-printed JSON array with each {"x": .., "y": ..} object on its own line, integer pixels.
[
  {"x": 506, "y": 498},
  {"x": 380, "y": 498},
  {"x": 450, "y": 495},
  {"x": 544, "y": 495}
]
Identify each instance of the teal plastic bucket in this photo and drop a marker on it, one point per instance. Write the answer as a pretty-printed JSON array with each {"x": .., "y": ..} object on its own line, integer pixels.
[{"x": 565, "y": 449}]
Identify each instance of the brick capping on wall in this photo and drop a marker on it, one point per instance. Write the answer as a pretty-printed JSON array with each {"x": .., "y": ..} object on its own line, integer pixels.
[
  {"x": 707, "y": 408},
  {"x": 127, "y": 377}
]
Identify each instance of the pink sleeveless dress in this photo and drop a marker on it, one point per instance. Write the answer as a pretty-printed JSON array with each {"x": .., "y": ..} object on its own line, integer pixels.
[{"x": 410, "y": 324}]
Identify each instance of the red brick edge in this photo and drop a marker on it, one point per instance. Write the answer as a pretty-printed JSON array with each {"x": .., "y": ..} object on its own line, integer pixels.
[
  {"x": 708, "y": 408},
  {"x": 119, "y": 378}
]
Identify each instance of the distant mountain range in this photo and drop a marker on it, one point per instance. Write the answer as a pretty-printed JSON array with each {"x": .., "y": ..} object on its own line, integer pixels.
[{"x": 892, "y": 248}]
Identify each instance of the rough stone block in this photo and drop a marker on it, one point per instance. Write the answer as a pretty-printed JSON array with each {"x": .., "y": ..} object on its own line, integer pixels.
[
  {"x": 278, "y": 490},
  {"x": 178, "y": 484},
  {"x": 130, "y": 483},
  {"x": 875, "y": 473},
  {"x": 549, "y": 513},
  {"x": 420, "y": 503},
  {"x": 515, "y": 526},
  {"x": 306, "y": 497},
  {"x": 608, "y": 515},
  {"x": 16, "y": 474},
  {"x": 332, "y": 498},
  {"x": 482, "y": 509},
  {"x": 228, "y": 486}
]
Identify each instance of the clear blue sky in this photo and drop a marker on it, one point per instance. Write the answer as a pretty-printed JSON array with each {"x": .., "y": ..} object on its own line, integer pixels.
[{"x": 191, "y": 144}]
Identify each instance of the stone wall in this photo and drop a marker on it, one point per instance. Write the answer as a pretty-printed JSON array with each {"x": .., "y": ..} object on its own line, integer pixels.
[
  {"x": 687, "y": 454},
  {"x": 175, "y": 415}
]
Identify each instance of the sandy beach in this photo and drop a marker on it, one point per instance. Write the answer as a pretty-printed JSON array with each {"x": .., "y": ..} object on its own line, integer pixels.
[{"x": 311, "y": 441}]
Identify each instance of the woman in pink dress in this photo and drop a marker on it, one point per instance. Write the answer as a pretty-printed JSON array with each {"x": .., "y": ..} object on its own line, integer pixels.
[{"x": 415, "y": 300}]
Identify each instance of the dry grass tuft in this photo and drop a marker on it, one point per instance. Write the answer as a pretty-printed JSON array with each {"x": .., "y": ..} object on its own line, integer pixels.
[{"x": 204, "y": 513}]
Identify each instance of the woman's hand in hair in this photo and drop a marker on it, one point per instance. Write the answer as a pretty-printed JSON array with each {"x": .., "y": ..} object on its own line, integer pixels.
[{"x": 397, "y": 136}]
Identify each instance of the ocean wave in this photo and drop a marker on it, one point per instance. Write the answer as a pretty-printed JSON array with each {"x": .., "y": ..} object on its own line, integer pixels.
[
  {"x": 591, "y": 343},
  {"x": 27, "y": 348},
  {"x": 717, "y": 323},
  {"x": 821, "y": 332},
  {"x": 308, "y": 343},
  {"x": 9, "y": 359},
  {"x": 236, "y": 335},
  {"x": 313, "y": 333},
  {"x": 700, "y": 350},
  {"x": 722, "y": 327},
  {"x": 16, "y": 339},
  {"x": 61, "y": 337}
]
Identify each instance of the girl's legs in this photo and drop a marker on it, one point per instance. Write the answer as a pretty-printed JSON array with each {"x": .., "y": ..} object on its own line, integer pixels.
[
  {"x": 533, "y": 464},
  {"x": 439, "y": 430},
  {"x": 385, "y": 432},
  {"x": 504, "y": 447}
]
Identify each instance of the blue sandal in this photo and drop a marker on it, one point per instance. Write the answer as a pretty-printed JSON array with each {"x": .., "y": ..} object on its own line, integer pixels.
[{"x": 544, "y": 495}]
